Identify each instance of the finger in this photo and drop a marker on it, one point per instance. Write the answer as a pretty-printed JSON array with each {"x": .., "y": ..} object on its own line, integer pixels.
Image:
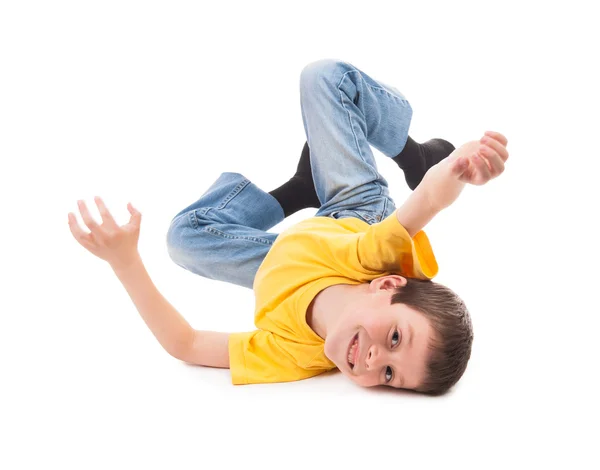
[
  {"x": 87, "y": 218},
  {"x": 482, "y": 168},
  {"x": 497, "y": 136},
  {"x": 136, "y": 217},
  {"x": 495, "y": 163},
  {"x": 107, "y": 218},
  {"x": 483, "y": 154},
  {"x": 79, "y": 234},
  {"x": 497, "y": 146}
]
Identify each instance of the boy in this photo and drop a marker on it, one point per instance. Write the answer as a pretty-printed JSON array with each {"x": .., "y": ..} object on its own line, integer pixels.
[{"x": 349, "y": 288}]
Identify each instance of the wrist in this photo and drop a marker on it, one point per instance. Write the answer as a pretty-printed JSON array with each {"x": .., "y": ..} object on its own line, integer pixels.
[
  {"x": 125, "y": 264},
  {"x": 440, "y": 186}
]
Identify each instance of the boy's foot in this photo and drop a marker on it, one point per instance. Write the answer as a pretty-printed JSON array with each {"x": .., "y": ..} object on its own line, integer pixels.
[
  {"x": 299, "y": 192},
  {"x": 415, "y": 159}
]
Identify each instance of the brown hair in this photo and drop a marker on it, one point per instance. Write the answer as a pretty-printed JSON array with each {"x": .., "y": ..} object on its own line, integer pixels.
[{"x": 453, "y": 332}]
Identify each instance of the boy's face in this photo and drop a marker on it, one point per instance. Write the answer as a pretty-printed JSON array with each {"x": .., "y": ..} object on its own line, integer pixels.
[{"x": 375, "y": 343}]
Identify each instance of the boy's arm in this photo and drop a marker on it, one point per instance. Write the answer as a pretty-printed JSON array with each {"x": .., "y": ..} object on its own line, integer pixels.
[
  {"x": 416, "y": 212},
  {"x": 207, "y": 348},
  {"x": 176, "y": 336},
  {"x": 171, "y": 330},
  {"x": 117, "y": 245},
  {"x": 475, "y": 162}
]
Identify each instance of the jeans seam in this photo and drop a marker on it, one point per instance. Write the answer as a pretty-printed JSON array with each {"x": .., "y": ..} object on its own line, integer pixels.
[
  {"x": 219, "y": 233},
  {"x": 241, "y": 185},
  {"x": 193, "y": 219},
  {"x": 374, "y": 173},
  {"x": 403, "y": 100},
  {"x": 354, "y": 69},
  {"x": 385, "y": 204}
]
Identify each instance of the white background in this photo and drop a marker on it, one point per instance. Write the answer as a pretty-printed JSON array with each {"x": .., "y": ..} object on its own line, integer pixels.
[{"x": 148, "y": 102}]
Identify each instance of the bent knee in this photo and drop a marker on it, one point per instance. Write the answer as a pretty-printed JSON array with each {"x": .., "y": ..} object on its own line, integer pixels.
[
  {"x": 175, "y": 237},
  {"x": 187, "y": 247},
  {"x": 184, "y": 242},
  {"x": 323, "y": 71}
]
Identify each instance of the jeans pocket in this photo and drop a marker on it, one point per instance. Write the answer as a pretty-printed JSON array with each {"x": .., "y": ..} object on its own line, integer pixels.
[{"x": 362, "y": 215}]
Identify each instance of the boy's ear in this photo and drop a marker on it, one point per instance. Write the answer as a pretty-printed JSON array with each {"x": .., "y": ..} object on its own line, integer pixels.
[{"x": 390, "y": 282}]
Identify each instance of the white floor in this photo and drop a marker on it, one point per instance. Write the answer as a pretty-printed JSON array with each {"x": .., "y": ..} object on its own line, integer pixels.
[{"x": 149, "y": 104}]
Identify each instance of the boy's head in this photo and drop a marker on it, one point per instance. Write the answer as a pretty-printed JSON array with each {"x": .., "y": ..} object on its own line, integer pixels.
[{"x": 404, "y": 333}]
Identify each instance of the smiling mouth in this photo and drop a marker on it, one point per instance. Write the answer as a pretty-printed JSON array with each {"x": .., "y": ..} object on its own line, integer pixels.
[{"x": 353, "y": 352}]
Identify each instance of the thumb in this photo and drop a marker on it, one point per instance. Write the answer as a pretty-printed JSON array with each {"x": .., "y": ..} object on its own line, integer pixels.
[
  {"x": 460, "y": 166},
  {"x": 136, "y": 216}
]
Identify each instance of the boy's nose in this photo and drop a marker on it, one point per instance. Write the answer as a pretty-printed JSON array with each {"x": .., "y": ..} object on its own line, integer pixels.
[{"x": 372, "y": 359}]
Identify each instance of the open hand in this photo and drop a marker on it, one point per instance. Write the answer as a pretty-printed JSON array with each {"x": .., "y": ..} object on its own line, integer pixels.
[
  {"x": 477, "y": 162},
  {"x": 114, "y": 244}
]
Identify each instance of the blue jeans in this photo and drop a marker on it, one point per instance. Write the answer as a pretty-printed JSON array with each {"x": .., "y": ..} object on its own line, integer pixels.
[{"x": 223, "y": 235}]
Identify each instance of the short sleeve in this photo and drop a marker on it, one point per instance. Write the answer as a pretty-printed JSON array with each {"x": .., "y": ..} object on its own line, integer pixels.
[
  {"x": 387, "y": 246},
  {"x": 264, "y": 357}
]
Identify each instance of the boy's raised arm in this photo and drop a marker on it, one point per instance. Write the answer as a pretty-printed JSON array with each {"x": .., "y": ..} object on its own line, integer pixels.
[
  {"x": 416, "y": 212},
  {"x": 117, "y": 245},
  {"x": 475, "y": 162}
]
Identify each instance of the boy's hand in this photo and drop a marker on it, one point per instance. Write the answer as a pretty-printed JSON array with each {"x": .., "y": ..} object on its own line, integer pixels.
[
  {"x": 114, "y": 244},
  {"x": 475, "y": 162},
  {"x": 478, "y": 162}
]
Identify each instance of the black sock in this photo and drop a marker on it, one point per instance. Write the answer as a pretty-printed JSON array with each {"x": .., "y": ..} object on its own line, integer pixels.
[
  {"x": 299, "y": 192},
  {"x": 415, "y": 159}
]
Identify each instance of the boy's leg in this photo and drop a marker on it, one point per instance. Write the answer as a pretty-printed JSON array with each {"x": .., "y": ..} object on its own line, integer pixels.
[
  {"x": 344, "y": 111},
  {"x": 415, "y": 159},
  {"x": 223, "y": 234},
  {"x": 299, "y": 192}
]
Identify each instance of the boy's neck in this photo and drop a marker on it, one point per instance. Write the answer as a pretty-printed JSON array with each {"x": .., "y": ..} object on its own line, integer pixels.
[{"x": 329, "y": 305}]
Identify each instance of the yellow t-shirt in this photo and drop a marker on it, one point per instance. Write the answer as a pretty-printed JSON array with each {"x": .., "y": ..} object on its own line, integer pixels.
[{"x": 305, "y": 259}]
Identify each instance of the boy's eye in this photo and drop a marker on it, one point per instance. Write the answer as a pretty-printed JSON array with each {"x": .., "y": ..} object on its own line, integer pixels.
[
  {"x": 395, "y": 338},
  {"x": 388, "y": 374}
]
